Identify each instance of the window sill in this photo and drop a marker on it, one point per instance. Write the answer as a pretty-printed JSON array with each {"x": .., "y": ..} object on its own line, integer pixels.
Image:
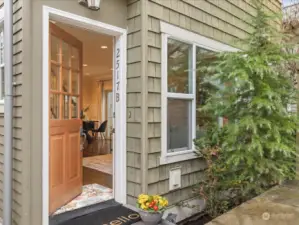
[{"x": 177, "y": 157}]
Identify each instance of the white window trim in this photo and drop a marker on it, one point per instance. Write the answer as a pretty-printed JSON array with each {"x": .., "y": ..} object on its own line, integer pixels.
[
  {"x": 196, "y": 40},
  {"x": 1, "y": 24}
]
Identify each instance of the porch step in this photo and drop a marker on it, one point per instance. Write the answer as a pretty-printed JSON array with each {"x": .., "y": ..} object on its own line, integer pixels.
[{"x": 60, "y": 219}]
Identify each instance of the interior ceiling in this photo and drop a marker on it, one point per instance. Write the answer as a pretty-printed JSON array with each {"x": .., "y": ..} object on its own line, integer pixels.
[{"x": 97, "y": 59}]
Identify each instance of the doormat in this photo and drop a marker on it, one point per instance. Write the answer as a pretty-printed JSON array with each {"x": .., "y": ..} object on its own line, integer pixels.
[{"x": 109, "y": 216}]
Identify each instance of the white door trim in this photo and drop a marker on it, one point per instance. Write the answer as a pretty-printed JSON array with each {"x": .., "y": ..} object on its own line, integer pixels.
[{"x": 119, "y": 152}]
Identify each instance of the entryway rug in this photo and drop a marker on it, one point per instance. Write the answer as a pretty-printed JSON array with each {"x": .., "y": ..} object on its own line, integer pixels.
[
  {"x": 91, "y": 194},
  {"x": 109, "y": 216},
  {"x": 102, "y": 163}
]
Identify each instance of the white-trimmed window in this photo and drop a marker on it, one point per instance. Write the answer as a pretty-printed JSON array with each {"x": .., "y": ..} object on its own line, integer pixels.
[{"x": 182, "y": 51}]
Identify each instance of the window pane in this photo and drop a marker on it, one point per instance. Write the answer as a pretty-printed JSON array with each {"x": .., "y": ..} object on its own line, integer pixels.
[
  {"x": 204, "y": 58},
  {"x": 75, "y": 59},
  {"x": 179, "y": 135},
  {"x": 54, "y": 106},
  {"x": 66, "y": 54},
  {"x": 1, "y": 46},
  {"x": 55, "y": 54},
  {"x": 2, "y": 83},
  {"x": 75, "y": 82},
  {"x": 54, "y": 79},
  {"x": 65, "y": 80},
  {"x": 179, "y": 67},
  {"x": 65, "y": 107},
  {"x": 74, "y": 105}
]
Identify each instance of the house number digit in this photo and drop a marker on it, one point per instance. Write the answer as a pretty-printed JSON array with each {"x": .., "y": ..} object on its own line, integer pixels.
[{"x": 117, "y": 74}]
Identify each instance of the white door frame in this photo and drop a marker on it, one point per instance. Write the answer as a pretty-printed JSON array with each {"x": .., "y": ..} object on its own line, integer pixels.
[{"x": 119, "y": 151}]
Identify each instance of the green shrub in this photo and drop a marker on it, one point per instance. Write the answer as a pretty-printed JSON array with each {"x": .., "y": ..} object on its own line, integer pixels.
[{"x": 252, "y": 89}]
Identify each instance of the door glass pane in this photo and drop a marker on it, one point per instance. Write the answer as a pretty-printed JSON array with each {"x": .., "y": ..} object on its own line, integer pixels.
[
  {"x": 54, "y": 106},
  {"x": 65, "y": 107},
  {"x": 55, "y": 49},
  {"x": 179, "y": 122},
  {"x": 204, "y": 58},
  {"x": 65, "y": 80},
  {"x": 75, "y": 59},
  {"x": 66, "y": 54},
  {"x": 75, "y": 82},
  {"x": 179, "y": 67},
  {"x": 54, "y": 79},
  {"x": 74, "y": 106}
]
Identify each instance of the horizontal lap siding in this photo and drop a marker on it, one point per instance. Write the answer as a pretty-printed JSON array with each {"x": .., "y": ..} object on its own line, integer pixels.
[
  {"x": 17, "y": 119},
  {"x": 223, "y": 20},
  {"x": 134, "y": 101}
]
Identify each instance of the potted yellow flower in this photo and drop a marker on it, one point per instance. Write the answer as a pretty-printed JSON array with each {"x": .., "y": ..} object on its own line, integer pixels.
[{"x": 151, "y": 208}]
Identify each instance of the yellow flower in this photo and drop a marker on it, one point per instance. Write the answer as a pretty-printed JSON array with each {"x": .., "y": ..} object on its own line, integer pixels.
[
  {"x": 144, "y": 201},
  {"x": 142, "y": 198},
  {"x": 156, "y": 197},
  {"x": 165, "y": 203},
  {"x": 144, "y": 206}
]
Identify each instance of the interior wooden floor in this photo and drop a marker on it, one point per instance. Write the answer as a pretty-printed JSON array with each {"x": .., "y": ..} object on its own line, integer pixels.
[
  {"x": 91, "y": 176},
  {"x": 97, "y": 147}
]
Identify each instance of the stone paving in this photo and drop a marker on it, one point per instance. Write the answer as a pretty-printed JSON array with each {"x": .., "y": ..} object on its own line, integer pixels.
[{"x": 278, "y": 206}]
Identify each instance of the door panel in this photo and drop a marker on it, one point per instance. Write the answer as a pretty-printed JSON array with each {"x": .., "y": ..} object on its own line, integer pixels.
[
  {"x": 65, "y": 79},
  {"x": 57, "y": 160},
  {"x": 74, "y": 158}
]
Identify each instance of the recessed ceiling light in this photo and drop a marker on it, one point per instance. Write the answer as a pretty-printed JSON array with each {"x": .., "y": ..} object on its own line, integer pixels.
[
  {"x": 84, "y": 65},
  {"x": 104, "y": 47}
]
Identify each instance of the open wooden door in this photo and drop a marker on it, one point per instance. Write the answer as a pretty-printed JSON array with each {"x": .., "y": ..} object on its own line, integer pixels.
[{"x": 65, "y": 103}]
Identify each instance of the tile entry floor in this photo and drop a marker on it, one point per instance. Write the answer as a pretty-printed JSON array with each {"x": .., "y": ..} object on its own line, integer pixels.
[{"x": 91, "y": 194}]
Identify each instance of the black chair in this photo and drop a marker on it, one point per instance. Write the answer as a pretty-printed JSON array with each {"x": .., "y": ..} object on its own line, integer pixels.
[
  {"x": 88, "y": 126},
  {"x": 101, "y": 129}
]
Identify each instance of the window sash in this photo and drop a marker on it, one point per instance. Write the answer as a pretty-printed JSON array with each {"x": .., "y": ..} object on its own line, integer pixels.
[
  {"x": 181, "y": 96},
  {"x": 190, "y": 67},
  {"x": 190, "y": 127},
  {"x": 172, "y": 95},
  {"x": 185, "y": 96}
]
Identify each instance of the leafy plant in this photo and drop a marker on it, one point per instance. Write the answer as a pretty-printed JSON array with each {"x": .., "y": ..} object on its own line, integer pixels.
[
  {"x": 257, "y": 147},
  {"x": 83, "y": 111}
]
